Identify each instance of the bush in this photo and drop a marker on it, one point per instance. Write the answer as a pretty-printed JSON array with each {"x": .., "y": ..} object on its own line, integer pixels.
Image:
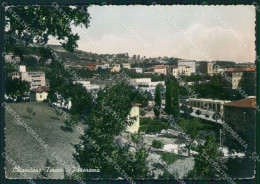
[
  {"x": 169, "y": 158},
  {"x": 157, "y": 144},
  {"x": 216, "y": 116},
  {"x": 148, "y": 125},
  {"x": 198, "y": 112}
]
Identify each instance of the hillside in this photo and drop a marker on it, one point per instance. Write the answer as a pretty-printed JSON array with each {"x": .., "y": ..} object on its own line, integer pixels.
[{"x": 24, "y": 148}]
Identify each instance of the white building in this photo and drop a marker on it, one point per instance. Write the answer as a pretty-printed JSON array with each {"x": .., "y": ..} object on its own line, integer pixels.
[
  {"x": 93, "y": 89},
  {"x": 190, "y": 63},
  {"x": 35, "y": 78},
  {"x": 146, "y": 85},
  {"x": 138, "y": 70}
]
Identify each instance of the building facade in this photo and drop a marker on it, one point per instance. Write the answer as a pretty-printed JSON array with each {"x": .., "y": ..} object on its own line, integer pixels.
[
  {"x": 191, "y": 64},
  {"x": 240, "y": 115},
  {"x": 135, "y": 115},
  {"x": 244, "y": 78}
]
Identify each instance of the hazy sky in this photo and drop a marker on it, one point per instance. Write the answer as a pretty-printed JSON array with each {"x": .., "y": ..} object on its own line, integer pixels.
[{"x": 188, "y": 32}]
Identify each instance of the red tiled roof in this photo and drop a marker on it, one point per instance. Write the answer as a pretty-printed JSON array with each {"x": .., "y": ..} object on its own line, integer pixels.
[
  {"x": 98, "y": 63},
  {"x": 136, "y": 104},
  {"x": 41, "y": 88},
  {"x": 248, "y": 69},
  {"x": 246, "y": 103},
  {"x": 90, "y": 67}
]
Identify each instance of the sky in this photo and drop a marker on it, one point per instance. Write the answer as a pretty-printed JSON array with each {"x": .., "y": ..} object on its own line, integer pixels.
[{"x": 189, "y": 32}]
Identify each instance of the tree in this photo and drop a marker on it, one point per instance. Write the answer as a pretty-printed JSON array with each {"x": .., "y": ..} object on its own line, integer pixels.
[
  {"x": 39, "y": 23},
  {"x": 172, "y": 99},
  {"x": 207, "y": 155},
  {"x": 16, "y": 87},
  {"x": 71, "y": 122},
  {"x": 157, "y": 101},
  {"x": 108, "y": 118}
]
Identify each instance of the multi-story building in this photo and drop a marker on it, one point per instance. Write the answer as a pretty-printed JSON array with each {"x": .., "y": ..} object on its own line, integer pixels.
[
  {"x": 240, "y": 115},
  {"x": 160, "y": 69},
  {"x": 210, "y": 68},
  {"x": 35, "y": 78},
  {"x": 191, "y": 64},
  {"x": 146, "y": 85},
  {"x": 244, "y": 78}
]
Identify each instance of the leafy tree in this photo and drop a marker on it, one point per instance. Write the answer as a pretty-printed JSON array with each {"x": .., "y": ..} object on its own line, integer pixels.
[
  {"x": 16, "y": 87},
  {"x": 71, "y": 122},
  {"x": 207, "y": 155},
  {"x": 108, "y": 118},
  {"x": 157, "y": 101},
  {"x": 42, "y": 22},
  {"x": 172, "y": 99}
]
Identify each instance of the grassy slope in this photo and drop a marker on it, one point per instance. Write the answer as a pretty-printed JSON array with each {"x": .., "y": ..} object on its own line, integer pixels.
[{"x": 22, "y": 147}]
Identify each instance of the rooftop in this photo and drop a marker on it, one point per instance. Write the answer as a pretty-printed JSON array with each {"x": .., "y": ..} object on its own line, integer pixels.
[
  {"x": 90, "y": 67},
  {"x": 41, "y": 88},
  {"x": 246, "y": 103},
  {"x": 248, "y": 69},
  {"x": 159, "y": 67}
]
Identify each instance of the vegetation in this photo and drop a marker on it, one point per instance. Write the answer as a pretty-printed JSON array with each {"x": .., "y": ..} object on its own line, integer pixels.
[
  {"x": 157, "y": 144},
  {"x": 157, "y": 101},
  {"x": 38, "y": 30},
  {"x": 169, "y": 158},
  {"x": 207, "y": 153},
  {"x": 172, "y": 99},
  {"x": 16, "y": 88},
  {"x": 96, "y": 149},
  {"x": 198, "y": 112},
  {"x": 148, "y": 125}
]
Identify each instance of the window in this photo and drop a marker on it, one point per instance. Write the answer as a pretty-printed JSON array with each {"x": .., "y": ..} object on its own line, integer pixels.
[{"x": 40, "y": 96}]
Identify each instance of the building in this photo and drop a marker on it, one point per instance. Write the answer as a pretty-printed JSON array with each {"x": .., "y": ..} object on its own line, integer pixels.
[
  {"x": 134, "y": 116},
  {"x": 39, "y": 94},
  {"x": 115, "y": 68},
  {"x": 210, "y": 68},
  {"x": 216, "y": 106},
  {"x": 126, "y": 65},
  {"x": 243, "y": 78},
  {"x": 138, "y": 70},
  {"x": 35, "y": 78},
  {"x": 240, "y": 115},
  {"x": 146, "y": 85},
  {"x": 93, "y": 89},
  {"x": 97, "y": 65},
  {"x": 191, "y": 64},
  {"x": 160, "y": 69}
]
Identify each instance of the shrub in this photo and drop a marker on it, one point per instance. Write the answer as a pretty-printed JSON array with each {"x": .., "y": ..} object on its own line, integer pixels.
[
  {"x": 198, "y": 112},
  {"x": 148, "y": 125},
  {"x": 169, "y": 158},
  {"x": 157, "y": 144}
]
